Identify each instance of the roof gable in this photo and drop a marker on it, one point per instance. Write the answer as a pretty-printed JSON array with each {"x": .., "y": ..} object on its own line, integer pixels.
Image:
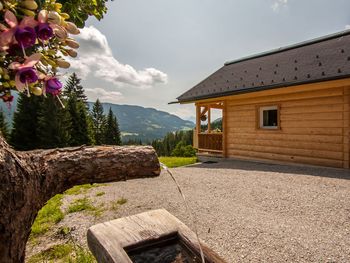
[{"x": 317, "y": 60}]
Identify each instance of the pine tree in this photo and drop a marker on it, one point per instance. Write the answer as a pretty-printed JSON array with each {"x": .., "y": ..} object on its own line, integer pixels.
[
  {"x": 79, "y": 130},
  {"x": 74, "y": 88},
  {"x": 98, "y": 122},
  {"x": 24, "y": 133},
  {"x": 54, "y": 124},
  {"x": 111, "y": 132},
  {"x": 4, "y": 129}
]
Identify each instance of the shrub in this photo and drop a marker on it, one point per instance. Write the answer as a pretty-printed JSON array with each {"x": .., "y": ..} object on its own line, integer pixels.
[{"x": 182, "y": 150}]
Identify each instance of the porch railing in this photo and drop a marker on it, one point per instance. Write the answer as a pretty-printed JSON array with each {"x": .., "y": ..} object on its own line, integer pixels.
[{"x": 211, "y": 142}]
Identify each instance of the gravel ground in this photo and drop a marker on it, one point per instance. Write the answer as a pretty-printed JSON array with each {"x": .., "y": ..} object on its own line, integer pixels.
[{"x": 246, "y": 211}]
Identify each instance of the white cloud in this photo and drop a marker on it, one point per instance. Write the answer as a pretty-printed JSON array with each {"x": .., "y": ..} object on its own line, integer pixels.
[
  {"x": 104, "y": 95},
  {"x": 277, "y": 4},
  {"x": 347, "y": 27},
  {"x": 96, "y": 58}
]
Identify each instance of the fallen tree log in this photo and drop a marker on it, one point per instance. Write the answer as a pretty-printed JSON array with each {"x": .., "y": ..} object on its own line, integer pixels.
[{"x": 29, "y": 179}]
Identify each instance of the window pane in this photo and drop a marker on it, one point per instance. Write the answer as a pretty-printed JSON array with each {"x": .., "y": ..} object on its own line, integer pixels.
[{"x": 270, "y": 118}]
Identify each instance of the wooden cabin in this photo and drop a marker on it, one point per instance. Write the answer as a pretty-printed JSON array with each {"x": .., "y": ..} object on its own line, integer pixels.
[{"x": 290, "y": 104}]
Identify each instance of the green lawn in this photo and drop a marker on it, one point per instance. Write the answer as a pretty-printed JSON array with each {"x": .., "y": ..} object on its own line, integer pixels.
[
  {"x": 49, "y": 215},
  {"x": 172, "y": 162}
]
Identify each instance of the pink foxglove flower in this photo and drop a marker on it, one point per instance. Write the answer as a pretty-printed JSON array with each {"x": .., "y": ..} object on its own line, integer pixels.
[
  {"x": 27, "y": 75},
  {"x": 44, "y": 31},
  {"x": 25, "y": 37},
  {"x": 53, "y": 86},
  {"x": 25, "y": 72},
  {"x": 7, "y": 37}
]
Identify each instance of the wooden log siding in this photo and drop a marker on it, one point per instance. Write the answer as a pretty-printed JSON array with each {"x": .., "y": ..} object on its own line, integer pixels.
[{"x": 314, "y": 126}]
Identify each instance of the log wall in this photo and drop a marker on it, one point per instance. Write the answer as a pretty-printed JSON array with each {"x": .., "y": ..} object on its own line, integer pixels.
[{"x": 314, "y": 125}]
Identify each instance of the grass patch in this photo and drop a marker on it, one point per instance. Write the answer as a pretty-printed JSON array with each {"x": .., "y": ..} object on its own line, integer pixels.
[
  {"x": 100, "y": 193},
  {"x": 49, "y": 215},
  {"x": 64, "y": 253},
  {"x": 81, "y": 204},
  {"x": 119, "y": 202},
  {"x": 81, "y": 189},
  {"x": 172, "y": 162},
  {"x": 85, "y": 204}
]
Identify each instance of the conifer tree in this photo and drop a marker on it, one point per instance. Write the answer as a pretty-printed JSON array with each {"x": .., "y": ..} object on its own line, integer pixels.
[
  {"x": 4, "y": 129},
  {"x": 112, "y": 132},
  {"x": 98, "y": 122},
  {"x": 24, "y": 132},
  {"x": 53, "y": 127},
  {"x": 74, "y": 87},
  {"x": 79, "y": 130}
]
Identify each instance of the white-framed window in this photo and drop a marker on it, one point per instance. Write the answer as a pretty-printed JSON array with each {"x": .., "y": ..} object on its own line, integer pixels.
[{"x": 268, "y": 117}]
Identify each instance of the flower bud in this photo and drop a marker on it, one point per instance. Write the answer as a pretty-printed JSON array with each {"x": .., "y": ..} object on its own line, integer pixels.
[
  {"x": 72, "y": 43},
  {"x": 31, "y": 5},
  {"x": 62, "y": 63},
  {"x": 64, "y": 53},
  {"x": 65, "y": 15},
  {"x": 36, "y": 91},
  {"x": 58, "y": 6},
  {"x": 1, "y": 6},
  {"x": 60, "y": 32},
  {"x": 27, "y": 12},
  {"x": 54, "y": 18},
  {"x": 71, "y": 28},
  {"x": 51, "y": 62},
  {"x": 72, "y": 53}
]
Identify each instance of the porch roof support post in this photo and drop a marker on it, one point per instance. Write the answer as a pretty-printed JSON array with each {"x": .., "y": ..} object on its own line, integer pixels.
[
  {"x": 198, "y": 119},
  {"x": 209, "y": 117}
]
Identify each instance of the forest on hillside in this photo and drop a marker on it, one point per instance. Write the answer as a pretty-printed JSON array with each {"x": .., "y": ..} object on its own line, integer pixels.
[{"x": 60, "y": 121}]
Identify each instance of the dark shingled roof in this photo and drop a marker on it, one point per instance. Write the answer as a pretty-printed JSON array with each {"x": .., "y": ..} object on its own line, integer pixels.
[{"x": 321, "y": 59}]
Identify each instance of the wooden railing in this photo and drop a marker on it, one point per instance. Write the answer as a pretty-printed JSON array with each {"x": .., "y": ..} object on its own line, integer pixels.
[{"x": 211, "y": 142}]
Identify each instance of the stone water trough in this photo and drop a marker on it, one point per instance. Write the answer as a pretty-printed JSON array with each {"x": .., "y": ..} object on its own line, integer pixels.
[{"x": 151, "y": 237}]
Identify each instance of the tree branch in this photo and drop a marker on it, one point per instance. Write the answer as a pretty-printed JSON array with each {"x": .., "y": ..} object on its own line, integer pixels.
[{"x": 29, "y": 179}]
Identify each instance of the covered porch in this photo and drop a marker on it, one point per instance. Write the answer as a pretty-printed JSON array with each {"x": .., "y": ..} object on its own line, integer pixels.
[{"x": 208, "y": 135}]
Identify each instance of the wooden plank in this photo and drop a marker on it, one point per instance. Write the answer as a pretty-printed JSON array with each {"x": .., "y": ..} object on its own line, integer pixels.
[
  {"x": 323, "y": 116},
  {"x": 314, "y": 102},
  {"x": 333, "y": 139},
  {"x": 290, "y": 151},
  {"x": 233, "y": 119},
  {"x": 108, "y": 240},
  {"x": 289, "y": 97},
  {"x": 234, "y": 142},
  {"x": 312, "y": 124},
  {"x": 312, "y": 109},
  {"x": 286, "y": 158},
  {"x": 287, "y": 130}
]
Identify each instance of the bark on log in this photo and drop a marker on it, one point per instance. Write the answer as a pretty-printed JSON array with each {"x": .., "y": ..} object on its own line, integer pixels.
[{"x": 29, "y": 179}]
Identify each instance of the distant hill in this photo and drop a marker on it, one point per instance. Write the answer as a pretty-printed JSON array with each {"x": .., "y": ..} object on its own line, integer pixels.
[
  {"x": 147, "y": 124},
  {"x": 135, "y": 122}
]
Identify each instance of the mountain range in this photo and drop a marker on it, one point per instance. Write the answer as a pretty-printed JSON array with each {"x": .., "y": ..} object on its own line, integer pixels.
[
  {"x": 135, "y": 122},
  {"x": 145, "y": 124}
]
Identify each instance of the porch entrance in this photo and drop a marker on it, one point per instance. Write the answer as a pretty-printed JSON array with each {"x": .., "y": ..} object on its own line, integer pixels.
[{"x": 208, "y": 134}]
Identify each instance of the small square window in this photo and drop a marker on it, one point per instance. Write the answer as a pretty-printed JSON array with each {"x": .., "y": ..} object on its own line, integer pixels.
[{"x": 268, "y": 117}]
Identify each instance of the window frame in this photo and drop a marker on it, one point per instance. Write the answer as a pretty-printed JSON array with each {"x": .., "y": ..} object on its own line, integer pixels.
[{"x": 260, "y": 117}]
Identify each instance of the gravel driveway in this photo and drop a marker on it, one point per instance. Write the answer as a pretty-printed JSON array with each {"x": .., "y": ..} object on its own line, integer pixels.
[{"x": 246, "y": 211}]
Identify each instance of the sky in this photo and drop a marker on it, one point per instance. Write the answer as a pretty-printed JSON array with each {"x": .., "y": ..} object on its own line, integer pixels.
[{"x": 149, "y": 52}]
